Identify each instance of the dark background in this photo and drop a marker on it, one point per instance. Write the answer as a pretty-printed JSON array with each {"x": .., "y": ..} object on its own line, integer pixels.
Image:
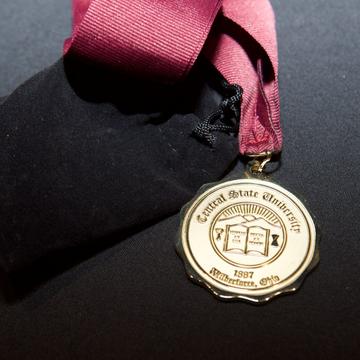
[{"x": 133, "y": 300}]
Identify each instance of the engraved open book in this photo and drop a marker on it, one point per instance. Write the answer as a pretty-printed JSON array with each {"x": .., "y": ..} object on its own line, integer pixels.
[{"x": 253, "y": 239}]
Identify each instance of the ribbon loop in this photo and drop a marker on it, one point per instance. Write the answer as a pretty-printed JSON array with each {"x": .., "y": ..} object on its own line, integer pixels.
[
  {"x": 158, "y": 39},
  {"x": 161, "y": 40}
]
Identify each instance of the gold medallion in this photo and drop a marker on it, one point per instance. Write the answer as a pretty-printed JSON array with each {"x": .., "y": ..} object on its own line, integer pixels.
[{"x": 247, "y": 239}]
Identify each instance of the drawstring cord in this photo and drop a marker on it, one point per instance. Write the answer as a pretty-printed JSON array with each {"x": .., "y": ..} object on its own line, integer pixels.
[{"x": 228, "y": 110}]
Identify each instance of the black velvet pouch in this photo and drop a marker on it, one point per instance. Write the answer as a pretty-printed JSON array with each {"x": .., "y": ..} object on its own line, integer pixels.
[{"x": 89, "y": 157}]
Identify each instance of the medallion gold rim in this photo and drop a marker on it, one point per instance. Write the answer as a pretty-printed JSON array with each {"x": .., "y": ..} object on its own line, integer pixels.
[{"x": 224, "y": 292}]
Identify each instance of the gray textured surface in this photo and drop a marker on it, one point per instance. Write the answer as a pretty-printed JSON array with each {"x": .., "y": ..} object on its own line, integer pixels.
[{"x": 31, "y": 37}]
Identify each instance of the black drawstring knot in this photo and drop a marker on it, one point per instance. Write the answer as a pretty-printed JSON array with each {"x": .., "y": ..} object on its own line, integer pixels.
[{"x": 229, "y": 110}]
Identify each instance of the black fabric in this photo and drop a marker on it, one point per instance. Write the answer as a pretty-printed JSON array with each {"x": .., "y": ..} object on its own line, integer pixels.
[
  {"x": 134, "y": 301},
  {"x": 89, "y": 157}
]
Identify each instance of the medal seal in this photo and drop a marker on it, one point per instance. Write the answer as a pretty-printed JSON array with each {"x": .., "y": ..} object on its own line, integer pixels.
[{"x": 247, "y": 239}]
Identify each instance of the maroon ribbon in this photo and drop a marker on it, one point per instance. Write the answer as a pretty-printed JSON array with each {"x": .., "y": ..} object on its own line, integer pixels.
[{"x": 161, "y": 39}]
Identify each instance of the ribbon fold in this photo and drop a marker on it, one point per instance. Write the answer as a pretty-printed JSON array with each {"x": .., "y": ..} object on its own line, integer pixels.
[{"x": 161, "y": 40}]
